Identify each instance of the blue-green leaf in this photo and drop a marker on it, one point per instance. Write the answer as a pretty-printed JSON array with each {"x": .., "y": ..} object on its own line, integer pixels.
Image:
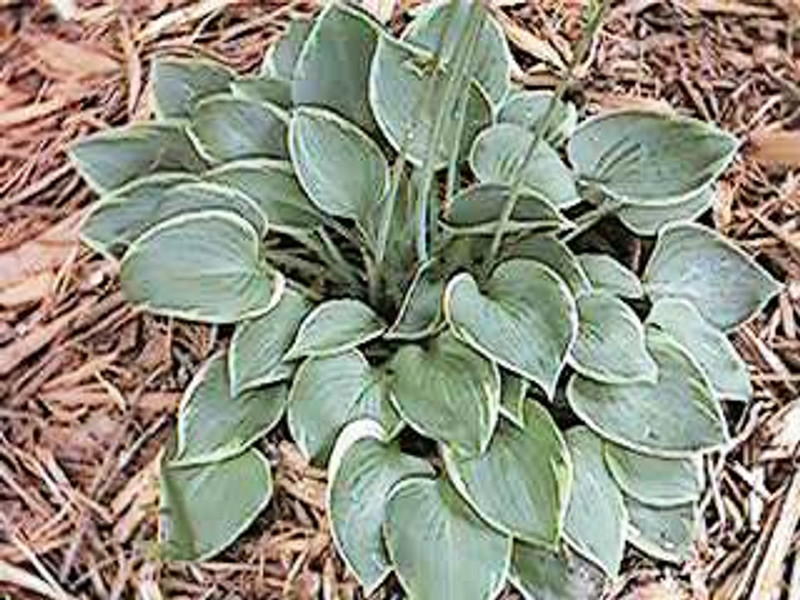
[
  {"x": 204, "y": 266},
  {"x": 439, "y": 547},
  {"x": 180, "y": 83},
  {"x": 109, "y": 159},
  {"x": 521, "y": 484},
  {"x": 647, "y": 157},
  {"x": 524, "y": 319},
  {"x": 229, "y": 128},
  {"x": 695, "y": 263},
  {"x": 329, "y": 392},
  {"x": 499, "y": 151}
]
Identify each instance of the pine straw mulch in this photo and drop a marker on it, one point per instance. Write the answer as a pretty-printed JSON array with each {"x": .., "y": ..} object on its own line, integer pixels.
[{"x": 88, "y": 386}]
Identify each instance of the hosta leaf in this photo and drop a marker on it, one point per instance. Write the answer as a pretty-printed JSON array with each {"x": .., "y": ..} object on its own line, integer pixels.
[
  {"x": 675, "y": 417},
  {"x": 553, "y": 253},
  {"x": 708, "y": 346},
  {"x": 610, "y": 346},
  {"x": 695, "y": 263},
  {"x": 499, "y": 150},
  {"x": 406, "y": 94},
  {"x": 335, "y": 326},
  {"x": 116, "y": 220},
  {"x": 646, "y": 157},
  {"x": 333, "y": 67},
  {"x": 204, "y": 266},
  {"x": 259, "y": 345},
  {"x": 112, "y": 158},
  {"x": 447, "y": 391},
  {"x": 513, "y": 390},
  {"x": 341, "y": 169},
  {"x": 607, "y": 275},
  {"x": 281, "y": 56},
  {"x": 179, "y": 84},
  {"x": 199, "y": 516},
  {"x": 215, "y": 424},
  {"x": 542, "y": 574},
  {"x": 141, "y": 205},
  {"x": 362, "y": 472},
  {"x": 439, "y": 546},
  {"x": 665, "y": 533},
  {"x": 525, "y": 319},
  {"x": 477, "y": 209},
  {"x": 329, "y": 392},
  {"x": 274, "y": 188},
  {"x": 596, "y": 517},
  {"x": 271, "y": 90},
  {"x": 228, "y": 128},
  {"x": 652, "y": 480},
  {"x": 421, "y": 309},
  {"x": 445, "y": 23},
  {"x": 521, "y": 484},
  {"x": 647, "y": 220},
  {"x": 527, "y": 107}
]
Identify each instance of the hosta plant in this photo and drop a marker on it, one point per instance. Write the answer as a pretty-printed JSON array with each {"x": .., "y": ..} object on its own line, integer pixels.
[{"x": 494, "y": 322}]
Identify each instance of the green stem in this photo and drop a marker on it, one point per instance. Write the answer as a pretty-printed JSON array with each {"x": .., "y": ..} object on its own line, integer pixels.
[
  {"x": 588, "y": 220},
  {"x": 578, "y": 56},
  {"x": 400, "y": 163},
  {"x": 459, "y": 73}
]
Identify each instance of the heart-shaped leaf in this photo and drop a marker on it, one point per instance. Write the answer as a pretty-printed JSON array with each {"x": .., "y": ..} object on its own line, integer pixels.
[
  {"x": 215, "y": 424},
  {"x": 675, "y": 417},
  {"x": 406, "y": 93},
  {"x": 647, "y": 157},
  {"x": 541, "y": 574},
  {"x": 521, "y": 484},
  {"x": 259, "y": 345},
  {"x": 513, "y": 392},
  {"x": 653, "y": 480},
  {"x": 273, "y": 186},
  {"x": 281, "y": 56},
  {"x": 341, "y": 169},
  {"x": 439, "y": 546},
  {"x": 524, "y": 319},
  {"x": 114, "y": 222},
  {"x": 499, "y": 151},
  {"x": 607, "y": 275},
  {"x": 199, "y": 516},
  {"x": 647, "y": 220},
  {"x": 179, "y": 84},
  {"x": 335, "y": 326},
  {"x": 476, "y": 210},
  {"x": 695, "y": 263},
  {"x": 112, "y": 158},
  {"x": 447, "y": 391},
  {"x": 135, "y": 209},
  {"x": 229, "y": 128},
  {"x": 552, "y": 252},
  {"x": 610, "y": 346},
  {"x": 665, "y": 533},
  {"x": 421, "y": 309},
  {"x": 708, "y": 346},
  {"x": 329, "y": 392},
  {"x": 271, "y": 90},
  {"x": 440, "y": 25},
  {"x": 363, "y": 470},
  {"x": 323, "y": 77},
  {"x": 204, "y": 266},
  {"x": 527, "y": 107},
  {"x": 596, "y": 521}
]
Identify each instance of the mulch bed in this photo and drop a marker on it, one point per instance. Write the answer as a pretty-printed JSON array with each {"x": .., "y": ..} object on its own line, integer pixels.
[{"x": 89, "y": 387}]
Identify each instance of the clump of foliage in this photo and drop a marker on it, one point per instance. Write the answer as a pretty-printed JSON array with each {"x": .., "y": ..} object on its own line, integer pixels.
[{"x": 432, "y": 277}]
